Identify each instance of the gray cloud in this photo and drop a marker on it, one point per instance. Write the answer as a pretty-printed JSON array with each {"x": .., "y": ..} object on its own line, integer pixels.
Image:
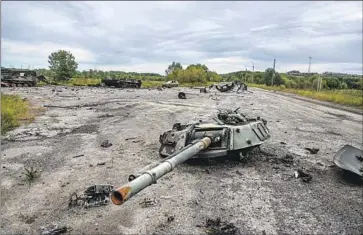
[{"x": 147, "y": 36}]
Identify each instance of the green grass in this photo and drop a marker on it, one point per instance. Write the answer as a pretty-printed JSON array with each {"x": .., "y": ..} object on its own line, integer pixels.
[
  {"x": 151, "y": 84},
  {"x": 347, "y": 97},
  {"x": 14, "y": 110},
  {"x": 84, "y": 82}
]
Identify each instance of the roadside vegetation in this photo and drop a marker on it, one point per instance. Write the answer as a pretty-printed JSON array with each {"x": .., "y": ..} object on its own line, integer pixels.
[
  {"x": 349, "y": 97},
  {"x": 14, "y": 111}
]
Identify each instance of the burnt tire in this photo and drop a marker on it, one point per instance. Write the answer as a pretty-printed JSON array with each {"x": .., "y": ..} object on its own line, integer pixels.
[{"x": 182, "y": 95}]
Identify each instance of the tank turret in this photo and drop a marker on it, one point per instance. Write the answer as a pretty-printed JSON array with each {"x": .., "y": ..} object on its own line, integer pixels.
[{"x": 232, "y": 134}]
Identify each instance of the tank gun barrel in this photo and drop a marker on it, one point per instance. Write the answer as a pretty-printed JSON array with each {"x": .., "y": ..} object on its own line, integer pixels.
[{"x": 150, "y": 176}]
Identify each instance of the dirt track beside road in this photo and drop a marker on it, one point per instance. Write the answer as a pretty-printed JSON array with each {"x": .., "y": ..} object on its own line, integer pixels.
[{"x": 259, "y": 195}]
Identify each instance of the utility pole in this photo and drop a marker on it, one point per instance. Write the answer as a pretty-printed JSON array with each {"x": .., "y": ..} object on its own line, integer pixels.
[
  {"x": 309, "y": 63},
  {"x": 253, "y": 70},
  {"x": 273, "y": 75},
  {"x": 245, "y": 73}
]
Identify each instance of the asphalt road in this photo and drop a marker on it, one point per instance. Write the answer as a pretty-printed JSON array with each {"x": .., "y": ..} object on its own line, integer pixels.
[{"x": 260, "y": 195}]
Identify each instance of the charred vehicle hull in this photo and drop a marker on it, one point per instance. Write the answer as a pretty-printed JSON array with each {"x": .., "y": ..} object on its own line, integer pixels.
[
  {"x": 122, "y": 83},
  {"x": 232, "y": 133},
  {"x": 19, "y": 78}
]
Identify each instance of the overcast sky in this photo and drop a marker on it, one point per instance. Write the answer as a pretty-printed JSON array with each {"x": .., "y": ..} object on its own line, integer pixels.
[{"x": 148, "y": 36}]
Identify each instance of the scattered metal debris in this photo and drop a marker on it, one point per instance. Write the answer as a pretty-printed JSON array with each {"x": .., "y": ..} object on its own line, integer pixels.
[
  {"x": 106, "y": 144},
  {"x": 218, "y": 227},
  {"x": 305, "y": 177},
  {"x": 350, "y": 158},
  {"x": 181, "y": 95},
  {"x": 147, "y": 202},
  {"x": 312, "y": 150},
  {"x": 53, "y": 230},
  {"x": 96, "y": 195},
  {"x": 101, "y": 163},
  {"x": 241, "y": 87},
  {"x": 225, "y": 87}
]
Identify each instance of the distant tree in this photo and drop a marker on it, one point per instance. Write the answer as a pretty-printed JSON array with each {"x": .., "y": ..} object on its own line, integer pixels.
[
  {"x": 199, "y": 66},
  {"x": 62, "y": 63},
  {"x": 332, "y": 82},
  {"x": 277, "y": 80},
  {"x": 172, "y": 67}
]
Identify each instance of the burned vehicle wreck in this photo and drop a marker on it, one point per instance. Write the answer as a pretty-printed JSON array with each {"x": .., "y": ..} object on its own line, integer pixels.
[
  {"x": 231, "y": 133},
  {"x": 230, "y": 86}
]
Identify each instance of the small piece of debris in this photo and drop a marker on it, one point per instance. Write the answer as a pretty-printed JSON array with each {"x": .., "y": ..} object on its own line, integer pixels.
[
  {"x": 106, "y": 115},
  {"x": 147, "y": 202},
  {"x": 282, "y": 142},
  {"x": 214, "y": 227},
  {"x": 312, "y": 150},
  {"x": 90, "y": 165},
  {"x": 54, "y": 230},
  {"x": 238, "y": 173},
  {"x": 106, "y": 144},
  {"x": 181, "y": 95},
  {"x": 170, "y": 219},
  {"x": 81, "y": 155},
  {"x": 96, "y": 195},
  {"x": 305, "y": 177},
  {"x": 136, "y": 141},
  {"x": 207, "y": 171},
  {"x": 288, "y": 159},
  {"x": 101, "y": 163},
  {"x": 27, "y": 219},
  {"x": 131, "y": 138}
]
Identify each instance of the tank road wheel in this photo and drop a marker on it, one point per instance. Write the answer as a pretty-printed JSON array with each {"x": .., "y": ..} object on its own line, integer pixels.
[{"x": 26, "y": 85}]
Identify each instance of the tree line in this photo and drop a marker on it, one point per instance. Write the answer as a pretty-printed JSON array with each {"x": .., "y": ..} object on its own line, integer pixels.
[
  {"x": 328, "y": 80},
  {"x": 63, "y": 66},
  {"x": 194, "y": 73}
]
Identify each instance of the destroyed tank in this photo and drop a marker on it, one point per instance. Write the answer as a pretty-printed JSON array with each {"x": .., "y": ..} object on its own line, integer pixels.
[
  {"x": 232, "y": 133},
  {"x": 20, "y": 77},
  {"x": 121, "y": 83},
  {"x": 230, "y": 86}
]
